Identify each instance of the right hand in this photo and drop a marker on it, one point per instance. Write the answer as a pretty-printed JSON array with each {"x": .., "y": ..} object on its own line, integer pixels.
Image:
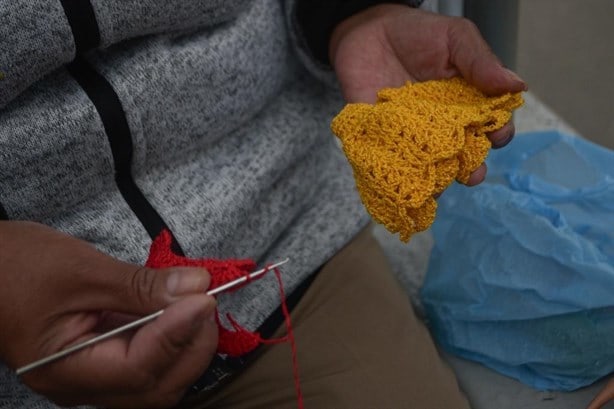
[
  {"x": 58, "y": 290},
  {"x": 389, "y": 44}
]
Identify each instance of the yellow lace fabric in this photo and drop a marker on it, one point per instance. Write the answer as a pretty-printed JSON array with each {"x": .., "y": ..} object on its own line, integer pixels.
[{"x": 414, "y": 142}]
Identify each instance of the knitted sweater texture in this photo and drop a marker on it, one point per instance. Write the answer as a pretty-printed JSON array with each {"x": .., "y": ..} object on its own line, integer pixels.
[{"x": 229, "y": 140}]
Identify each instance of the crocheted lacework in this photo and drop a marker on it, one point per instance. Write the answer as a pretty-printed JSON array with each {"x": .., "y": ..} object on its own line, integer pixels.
[
  {"x": 414, "y": 142},
  {"x": 235, "y": 342}
]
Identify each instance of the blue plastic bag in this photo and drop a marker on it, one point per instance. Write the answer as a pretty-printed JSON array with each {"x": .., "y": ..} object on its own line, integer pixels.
[{"x": 521, "y": 277}]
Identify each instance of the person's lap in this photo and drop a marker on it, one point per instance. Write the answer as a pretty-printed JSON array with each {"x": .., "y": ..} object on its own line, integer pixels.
[{"x": 359, "y": 346}]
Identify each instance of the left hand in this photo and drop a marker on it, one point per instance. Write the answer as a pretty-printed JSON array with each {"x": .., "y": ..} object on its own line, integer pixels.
[
  {"x": 389, "y": 44},
  {"x": 58, "y": 290}
]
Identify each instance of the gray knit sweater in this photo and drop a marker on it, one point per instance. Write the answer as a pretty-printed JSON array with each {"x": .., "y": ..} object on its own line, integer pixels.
[{"x": 227, "y": 126}]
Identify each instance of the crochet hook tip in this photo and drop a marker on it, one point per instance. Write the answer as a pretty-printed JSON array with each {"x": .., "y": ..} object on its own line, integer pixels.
[
  {"x": 246, "y": 278},
  {"x": 142, "y": 321}
]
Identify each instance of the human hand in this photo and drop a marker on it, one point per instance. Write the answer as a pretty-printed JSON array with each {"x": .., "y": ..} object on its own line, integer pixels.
[
  {"x": 387, "y": 45},
  {"x": 603, "y": 397},
  {"x": 57, "y": 290}
]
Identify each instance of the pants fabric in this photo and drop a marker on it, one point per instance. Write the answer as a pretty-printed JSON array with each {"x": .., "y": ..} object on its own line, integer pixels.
[{"x": 359, "y": 346}]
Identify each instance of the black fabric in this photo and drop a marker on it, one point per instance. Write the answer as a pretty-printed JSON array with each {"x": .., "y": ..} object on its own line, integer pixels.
[
  {"x": 276, "y": 319},
  {"x": 113, "y": 117},
  {"x": 3, "y": 214},
  {"x": 115, "y": 124},
  {"x": 221, "y": 370},
  {"x": 318, "y": 18},
  {"x": 82, "y": 20}
]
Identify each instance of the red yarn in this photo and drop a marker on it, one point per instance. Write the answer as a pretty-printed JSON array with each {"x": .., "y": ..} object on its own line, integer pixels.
[
  {"x": 290, "y": 338},
  {"x": 240, "y": 341},
  {"x": 222, "y": 271}
]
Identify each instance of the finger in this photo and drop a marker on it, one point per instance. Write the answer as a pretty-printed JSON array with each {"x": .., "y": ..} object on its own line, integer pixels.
[
  {"x": 477, "y": 176},
  {"x": 127, "y": 365},
  {"x": 157, "y": 346},
  {"x": 173, "y": 380},
  {"x": 502, "y": 136},
  {"x": 606, "y": 395},
  {"x": 109, "y": 320},
  {"x": 140, "y": 290},
  {"x": 477, "y": 63},
  {"x": 172, "y": 385},
  {"x": 191, "y": 364}
]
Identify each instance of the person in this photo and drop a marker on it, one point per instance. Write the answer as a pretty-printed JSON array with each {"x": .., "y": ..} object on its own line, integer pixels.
[{"x": 210, "y": 120}]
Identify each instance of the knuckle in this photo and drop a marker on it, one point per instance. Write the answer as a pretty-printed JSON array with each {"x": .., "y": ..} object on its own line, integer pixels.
[
  {"x": 143, "y": 284},
  {"x": 172, "y": 345},
  {"x": 466, "y": 25}
]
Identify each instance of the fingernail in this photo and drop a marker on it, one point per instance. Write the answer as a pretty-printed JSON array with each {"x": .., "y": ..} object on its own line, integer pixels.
[
  {"x": 514, "y": 77},
  {"x": 503, "y": 143},
  {"x": 185, "y": 281}
]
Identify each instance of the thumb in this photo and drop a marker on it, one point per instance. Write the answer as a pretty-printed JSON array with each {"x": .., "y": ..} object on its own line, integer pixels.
[
  {"x": 474, "y": 59},
  {"x": 141, "y": 290}
]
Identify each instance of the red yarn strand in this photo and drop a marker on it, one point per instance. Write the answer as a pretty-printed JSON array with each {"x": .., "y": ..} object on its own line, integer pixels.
[
  {"x": 290, "y": 337},
  {"x": 240, "y": 341}
]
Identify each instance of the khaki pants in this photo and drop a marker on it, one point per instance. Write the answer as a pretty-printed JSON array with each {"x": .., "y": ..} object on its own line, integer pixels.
[{"x": 359, "y": 346}]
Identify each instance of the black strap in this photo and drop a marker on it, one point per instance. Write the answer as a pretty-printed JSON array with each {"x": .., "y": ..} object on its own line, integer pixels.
[
  {"x": 222, "y": 370},
  {"x": 115, "y": 124},
  {"x": 3, "y": 214},
  {"x": 82, "y": 20}
]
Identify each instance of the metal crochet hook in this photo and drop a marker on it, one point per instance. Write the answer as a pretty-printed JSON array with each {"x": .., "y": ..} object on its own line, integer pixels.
[{"x": 137, "y": 323}]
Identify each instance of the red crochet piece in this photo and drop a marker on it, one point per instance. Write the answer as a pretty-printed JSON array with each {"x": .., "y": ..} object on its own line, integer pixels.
[
  {"x": 233, "y": 343},
  {"x": 240, "y": 341}
]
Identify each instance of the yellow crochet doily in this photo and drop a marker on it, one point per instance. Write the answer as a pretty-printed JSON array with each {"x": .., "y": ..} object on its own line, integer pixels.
[{"x": 414, "y": 142}]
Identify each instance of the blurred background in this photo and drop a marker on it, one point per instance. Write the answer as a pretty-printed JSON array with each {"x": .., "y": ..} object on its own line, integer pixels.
[{"x": 564, "y": 49}]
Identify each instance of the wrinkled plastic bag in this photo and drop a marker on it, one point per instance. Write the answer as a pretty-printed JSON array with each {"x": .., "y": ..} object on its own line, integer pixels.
[{"x": 521, "y": 277}]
